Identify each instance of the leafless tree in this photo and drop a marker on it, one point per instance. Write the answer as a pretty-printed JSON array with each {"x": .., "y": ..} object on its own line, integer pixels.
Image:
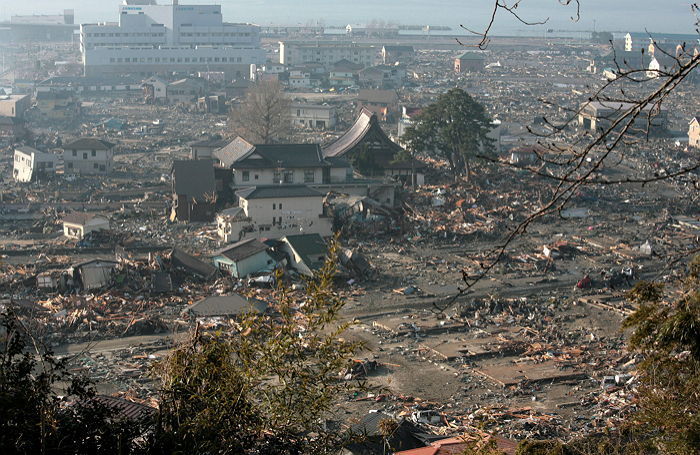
[
  {"x": 263, "y": 117},
  {"x": 637, "y": 93}
]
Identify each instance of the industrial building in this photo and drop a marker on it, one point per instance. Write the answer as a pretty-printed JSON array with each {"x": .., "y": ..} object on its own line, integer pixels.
[{"x": 151, "y": 39}]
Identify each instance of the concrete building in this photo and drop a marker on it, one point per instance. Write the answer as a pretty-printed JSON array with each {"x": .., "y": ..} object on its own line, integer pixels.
[
  {"x": 394, "y": 54},
  {"x": 293, "y": 53},
  {"x": 58, "y": 105},
  {"x": 694, "y": 132},
  {"x": 469, "y": 62},
  {"x": 76, "y": 225},
  {"x": 151, "y": 39},
  {"x": 88, "y": 156},
  {"x": 14, "y": 105},
  {"x": 344, "y": 74},
  {"x": 382, "y": 76},
  {"x": 299, "y": 78},
  {"x": 42, "y": 28},
  {"x": 273, "y": 211},
  {"x": 30, "y": 164},
  {"x": 318, "y": 116},
  {"x": 185, "y": 91}
]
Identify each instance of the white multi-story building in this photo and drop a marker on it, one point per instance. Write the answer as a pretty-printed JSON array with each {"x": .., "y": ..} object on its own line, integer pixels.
[
  {"x": 151, "y": 38},
  {"x": 31, "y": 164},
  {"x": 320, "y": 116},
  {"x": 294, "y": 53},
  {"x": 274, "y": 211}
]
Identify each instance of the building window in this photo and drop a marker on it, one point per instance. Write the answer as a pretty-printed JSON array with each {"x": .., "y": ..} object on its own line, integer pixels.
[
  {"x": 277, "y": 177},
  {"x": 274, "y": 206},
  {"x": 289, "y": 177},
  {"x": 93, "y": 153},
  {"x": 280, "y": 207},
  {"x": 95, "y": 166},
  {"x": 246, "y": 176},
  {"x": 69, "y": 165},
  {"x": 75, "y": 153},
  {"x": 85, "y": 156},
  {"x": 309, "y": 176}
]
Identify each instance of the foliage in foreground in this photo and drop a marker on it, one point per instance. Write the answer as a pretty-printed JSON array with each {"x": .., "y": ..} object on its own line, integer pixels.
[
  {"x": 34, "y": 419},
  {"x": 267, "y": 389}
]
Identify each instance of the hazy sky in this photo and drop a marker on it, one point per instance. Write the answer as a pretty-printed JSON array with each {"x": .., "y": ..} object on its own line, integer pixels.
[{"x": 672, "y": 16}]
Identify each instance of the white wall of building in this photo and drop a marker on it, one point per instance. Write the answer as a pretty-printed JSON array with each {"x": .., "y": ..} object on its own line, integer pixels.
[
  {"x": 26, "y": 164},
  {"x": 276, "y": 217}
]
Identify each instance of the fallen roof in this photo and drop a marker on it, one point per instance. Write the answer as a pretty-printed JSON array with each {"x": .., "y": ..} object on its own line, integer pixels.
[
  {"x": 193, "y": 178},
  {"x": 225, "y": 305},
  {"x": 183, "y": 260},
  {"x": 308, "y": 247},
  {"x": 277, "y": 192},
  {"x": 242, "y": 250},
  {"x": 88, "y": 143}
]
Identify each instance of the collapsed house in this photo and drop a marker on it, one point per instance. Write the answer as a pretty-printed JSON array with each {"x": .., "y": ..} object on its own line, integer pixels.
[
  {"x": 77, "y": 225},
  {"x": 194, "y": 190}
]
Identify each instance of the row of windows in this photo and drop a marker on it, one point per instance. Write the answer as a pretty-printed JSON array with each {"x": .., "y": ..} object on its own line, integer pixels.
[
  {"x": 161, "y": 34},
  {"x": 176, "y": 60},
  {"x": 125, "y": 35},
  {"x": 215, "y": 34},
  {"x": 85, "y": 155},
  {"x": 286, "y": 177}
]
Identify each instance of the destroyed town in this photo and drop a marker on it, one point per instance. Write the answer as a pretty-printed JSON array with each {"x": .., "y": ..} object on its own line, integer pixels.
[{"x": 227, "y": 232}]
